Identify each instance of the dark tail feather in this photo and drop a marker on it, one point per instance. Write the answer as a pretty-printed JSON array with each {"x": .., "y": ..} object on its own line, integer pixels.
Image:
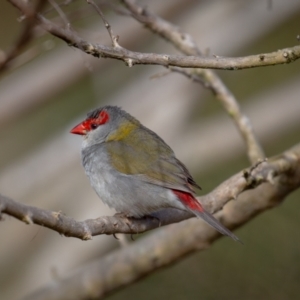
[{"x": 208, "y": 218}]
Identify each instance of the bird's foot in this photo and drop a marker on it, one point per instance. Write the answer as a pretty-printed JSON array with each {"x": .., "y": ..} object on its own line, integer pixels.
[
  {"x": 127, "y": 222},
  {"x": 154, "y": 218}
]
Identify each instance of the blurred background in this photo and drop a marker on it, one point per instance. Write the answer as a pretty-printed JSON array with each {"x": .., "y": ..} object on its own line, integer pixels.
[{"x": 50, "y": 87}]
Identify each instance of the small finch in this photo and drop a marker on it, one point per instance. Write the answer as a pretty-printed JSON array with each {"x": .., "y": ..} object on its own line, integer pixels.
[{"x": 133, "y": 170}]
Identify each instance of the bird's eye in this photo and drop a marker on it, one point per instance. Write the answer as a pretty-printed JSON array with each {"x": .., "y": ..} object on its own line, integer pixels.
[{"x": 94, "y": 126}]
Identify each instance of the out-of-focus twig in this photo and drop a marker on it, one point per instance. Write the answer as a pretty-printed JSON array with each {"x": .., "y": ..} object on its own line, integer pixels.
[
  {"x": 25, "y": 37},
  {"x": 213, "y": 202},
  {"x": 60, "y": 12}
]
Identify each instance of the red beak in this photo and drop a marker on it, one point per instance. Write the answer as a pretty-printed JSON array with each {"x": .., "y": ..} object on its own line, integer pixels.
[{"x": 79, "y": 129}]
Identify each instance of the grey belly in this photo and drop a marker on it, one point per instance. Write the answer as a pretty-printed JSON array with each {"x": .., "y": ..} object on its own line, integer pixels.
[{"x": 125, "y": 193}]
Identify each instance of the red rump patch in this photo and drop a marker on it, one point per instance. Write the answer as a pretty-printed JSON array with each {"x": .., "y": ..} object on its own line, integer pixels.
[{"x": 188, "y": 200}]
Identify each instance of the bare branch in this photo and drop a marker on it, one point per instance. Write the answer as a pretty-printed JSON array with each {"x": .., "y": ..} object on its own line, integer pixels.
[
  {"x": 192, "y": 75},
  {"x": 229, "y": 102},
  {"x": 268, "y": 184},
  {"x": 213, "y": 202},
  {"x": 282, "y": 56},
  {"x": 171, "y": 243},
  {"x": 25, "y": 37},
  {"x": 185, "y": 43},
  {"x": 67, "y": 226},
  {"x": 60, "y": 12},
  {"x": 114, "y": 38}
]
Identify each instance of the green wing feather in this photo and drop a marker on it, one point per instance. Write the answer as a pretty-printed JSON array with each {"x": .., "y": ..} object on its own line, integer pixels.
[{"x": 148, "y": 157}]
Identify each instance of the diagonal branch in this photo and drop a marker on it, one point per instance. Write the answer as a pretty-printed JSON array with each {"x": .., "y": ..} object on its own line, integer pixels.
[
  {"x": 24, "y": 38},
  {"x": 185, "y": 43},
  {"x": 171, "y": 243},
  {"x": 194, "y": 60},
  {"x": 213, "y": 202}
]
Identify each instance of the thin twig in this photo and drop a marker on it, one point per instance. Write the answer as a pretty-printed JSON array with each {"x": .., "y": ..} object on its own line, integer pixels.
[
  {"x": 224, "y": 95},
  {"x": 186, "y": 72},
  {"x": 25, "y": 37},
  {"x": 114, "y": 38},
  {"x": 192, "y": 75},
  {"x": 60, "y": 12}
]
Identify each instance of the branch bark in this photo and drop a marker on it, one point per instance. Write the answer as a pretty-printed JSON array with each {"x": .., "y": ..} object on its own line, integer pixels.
[
  {"x": 269, "y": 181},
  {"x": 169, "y": 244},
  {"x": 194, "y": 59},
  {"x": 186, "y": 44},
  {"x": 213, "y": 202},
  {"x": 132, "y": 58}
]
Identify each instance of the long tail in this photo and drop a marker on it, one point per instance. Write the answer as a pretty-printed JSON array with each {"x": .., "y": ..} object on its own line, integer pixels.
[{"x": 196, "y": 208}]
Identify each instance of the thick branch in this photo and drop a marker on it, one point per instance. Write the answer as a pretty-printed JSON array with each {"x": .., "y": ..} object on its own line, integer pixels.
[
  {"x": 213, "y": 202},
  {"x": 134, "y": 58},
  {"x": 171, "y": 243}
]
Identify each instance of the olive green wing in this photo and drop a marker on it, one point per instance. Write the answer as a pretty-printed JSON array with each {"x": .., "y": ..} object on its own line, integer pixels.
[{"x": 149, "y": 158}]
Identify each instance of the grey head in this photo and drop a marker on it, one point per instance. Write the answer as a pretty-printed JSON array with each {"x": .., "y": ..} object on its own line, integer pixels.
[{"x": 100, "y": 123}]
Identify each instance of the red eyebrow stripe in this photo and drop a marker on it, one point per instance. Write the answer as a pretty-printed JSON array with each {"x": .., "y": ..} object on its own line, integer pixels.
[{"x": 103, "y": 117}]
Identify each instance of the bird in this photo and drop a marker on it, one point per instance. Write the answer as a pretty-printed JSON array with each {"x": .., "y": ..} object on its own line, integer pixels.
[{"x": 133, "y": 170}]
